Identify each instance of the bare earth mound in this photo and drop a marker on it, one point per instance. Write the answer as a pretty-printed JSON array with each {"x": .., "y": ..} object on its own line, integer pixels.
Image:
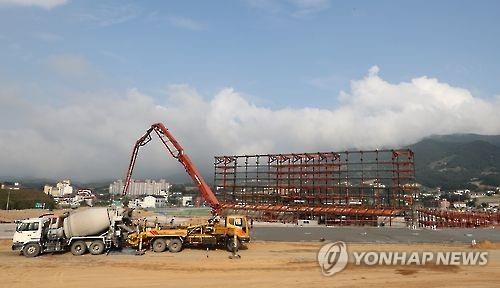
[{"x": 11, "y": 215}]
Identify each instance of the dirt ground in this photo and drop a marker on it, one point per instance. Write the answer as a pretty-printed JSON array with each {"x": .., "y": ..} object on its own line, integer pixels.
[
  {"x": 11, "y": 215},
  {"x": 263, "y": 264}
]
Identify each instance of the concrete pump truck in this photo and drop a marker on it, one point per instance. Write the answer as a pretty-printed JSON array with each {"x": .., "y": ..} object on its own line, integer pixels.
[{"x": 230, "y": 231}]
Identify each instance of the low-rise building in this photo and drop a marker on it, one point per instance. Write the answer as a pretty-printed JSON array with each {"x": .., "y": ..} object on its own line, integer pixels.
[
  {"x": 65, "y": 187},
  {"x": 462, "y": 192},
  {"x": 490, "y": 192},
  {"x": 62, "y": 188},
  {"x": 444, "y": 204},
  {"x": 85, "y": 195},
  {"x": 459, "y": 205},
  {"x": 82, "y": 196},
  {"x": 477, "y": 195},
  {"x": 187, "y": 201},
  {"x": 493, "y": 206},
  {"x": 11, "y": 185},
  {"x": 151, "y": 201}
]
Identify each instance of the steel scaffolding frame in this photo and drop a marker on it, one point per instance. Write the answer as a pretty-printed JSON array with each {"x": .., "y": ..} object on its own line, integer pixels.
[
  {"x": 438, "y": 218},
  {"x": 350, "y": 187}
]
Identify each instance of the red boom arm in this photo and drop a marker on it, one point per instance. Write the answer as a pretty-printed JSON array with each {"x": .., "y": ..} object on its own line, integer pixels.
[{"x": 177, "y": 152}]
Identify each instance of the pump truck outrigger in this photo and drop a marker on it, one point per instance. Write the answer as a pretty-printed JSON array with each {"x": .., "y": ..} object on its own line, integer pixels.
[{"x": 231, "y": 233}]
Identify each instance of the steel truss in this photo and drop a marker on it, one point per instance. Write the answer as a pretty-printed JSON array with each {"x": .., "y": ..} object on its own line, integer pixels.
[{"x": 350, "y": 187}]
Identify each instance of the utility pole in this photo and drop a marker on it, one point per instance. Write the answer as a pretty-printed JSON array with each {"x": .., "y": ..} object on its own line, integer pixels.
[{"x": 8, "y": 199}]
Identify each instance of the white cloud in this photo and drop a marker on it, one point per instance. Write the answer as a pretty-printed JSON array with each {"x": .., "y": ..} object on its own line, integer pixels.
[
  {"x": 308, "y": 7},
  {"x": 47, "y": 4},
  {"x": 108, "y": 15},
  {"x": 69, "y": 65},
  {"x": 294, "y": 8},
  {"x": 266, "y": 5},
  {"x": 113, "y": 55},
  {"x": 373, "y": 71},
  {"x": 330, "y": 82},
  {"x": 48, "y": 37},
  {"x": 185, "y": 23},
  {"x": 92, "y": 138}
]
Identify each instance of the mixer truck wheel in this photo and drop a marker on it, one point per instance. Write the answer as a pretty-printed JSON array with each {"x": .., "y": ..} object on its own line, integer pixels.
[
  {"x": 96, "y": 247},
  {"x": 159, "y": 245},
  {"x": 31, "y": 250},
  {"x": 175, "y": 245},
  {"x": 78, "y": 248}
]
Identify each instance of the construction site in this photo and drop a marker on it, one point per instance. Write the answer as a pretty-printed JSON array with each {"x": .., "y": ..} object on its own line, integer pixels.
[
  {"x": 298, "y": 202},
  {"x": 249, "y": 143}
]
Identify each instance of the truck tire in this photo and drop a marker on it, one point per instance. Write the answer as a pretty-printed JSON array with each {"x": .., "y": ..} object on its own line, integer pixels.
[
  {"x": 232, "y": 244},
  {"x": 31, "y": 250},
  {"x": 78, "y": 248},
  {"x": 96, "y": 247},
  {"x": 175, "y": 245},
  {"x": 159, "y": 245}
]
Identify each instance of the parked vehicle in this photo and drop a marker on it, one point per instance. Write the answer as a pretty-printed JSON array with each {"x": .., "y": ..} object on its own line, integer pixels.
[
  {"x": 231, "y": 234},
  {"x": 94, "y": 230}
]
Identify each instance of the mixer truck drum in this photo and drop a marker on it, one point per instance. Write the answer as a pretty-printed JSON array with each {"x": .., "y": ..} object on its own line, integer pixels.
[{"x": 87, "y": 222}]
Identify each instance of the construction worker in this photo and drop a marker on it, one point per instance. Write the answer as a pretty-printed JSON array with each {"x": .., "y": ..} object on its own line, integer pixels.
[{"x": 234, "y": 250}]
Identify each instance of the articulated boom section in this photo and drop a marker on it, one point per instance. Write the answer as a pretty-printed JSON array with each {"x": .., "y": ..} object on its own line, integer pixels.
[{"x": 176, "y": 150}]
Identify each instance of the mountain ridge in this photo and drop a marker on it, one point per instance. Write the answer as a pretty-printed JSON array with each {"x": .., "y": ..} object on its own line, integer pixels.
[{"x": 458, "y": 160}]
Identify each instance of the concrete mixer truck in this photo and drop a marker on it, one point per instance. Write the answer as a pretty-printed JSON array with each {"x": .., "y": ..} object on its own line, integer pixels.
[{"x": 95, "y": 230}]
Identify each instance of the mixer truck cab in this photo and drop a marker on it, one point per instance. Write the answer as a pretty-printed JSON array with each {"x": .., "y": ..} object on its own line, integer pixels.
[{"x": 28, "y": 235}]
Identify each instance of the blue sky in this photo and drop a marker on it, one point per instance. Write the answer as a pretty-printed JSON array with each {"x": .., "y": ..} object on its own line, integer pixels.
[
  {"x": 81, "y": 80},
  {"x": 280, "y": 53}
]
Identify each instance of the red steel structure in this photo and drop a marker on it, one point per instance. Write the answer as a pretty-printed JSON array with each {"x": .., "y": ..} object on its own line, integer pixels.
[
  {"x": 438, "y": 218},
  {"x": 351, "y": 187}
]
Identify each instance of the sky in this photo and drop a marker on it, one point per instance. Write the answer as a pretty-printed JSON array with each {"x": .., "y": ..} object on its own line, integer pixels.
[{"x": 81, "y": 80}]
